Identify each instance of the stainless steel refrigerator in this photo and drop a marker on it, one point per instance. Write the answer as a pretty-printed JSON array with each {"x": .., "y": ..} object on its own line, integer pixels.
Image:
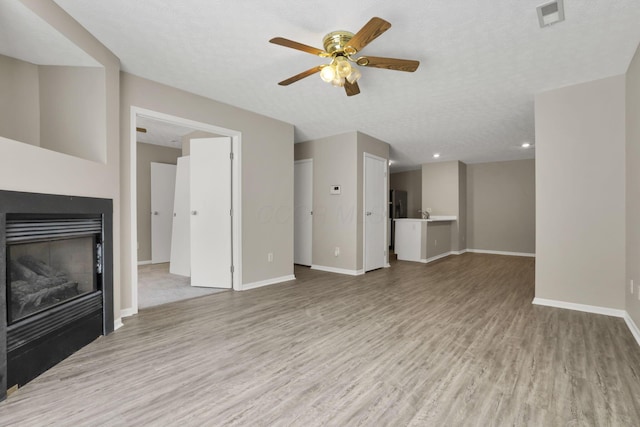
[{"x": 397, "y": 209}]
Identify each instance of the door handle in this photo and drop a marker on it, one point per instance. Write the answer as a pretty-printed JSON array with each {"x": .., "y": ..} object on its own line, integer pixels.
[
  {"x": 156, "y": 213},
  {"x": 194, "y": 212},
  {"x": 368, "y": 213},
  {"x": 174, "y": 214}
]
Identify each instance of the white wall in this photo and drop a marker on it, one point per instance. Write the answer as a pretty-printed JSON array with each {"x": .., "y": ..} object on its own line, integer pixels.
[{"x": 580, "y": 193}]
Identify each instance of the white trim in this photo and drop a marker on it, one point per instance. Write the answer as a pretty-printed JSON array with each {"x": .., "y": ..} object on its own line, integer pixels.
[
  {"x": 483, "y": 251},
  {"x": 579, "y": 307},
  {"x": 434, "y": 258},
  {"x": 128, "y": 312},
  {"x": 337, "y": 270},
  {"x": 236, "y": 182},
  {"x": 144, "y": 262},
  {"x": 261, "y": 283},
  {"x": 632, "y": 327},
  {"x": 387, "y": 265},
  {"x": 364, "y": 208},
  {"x": 464, "y": 251},
  {"x": 117, "y": 324}
]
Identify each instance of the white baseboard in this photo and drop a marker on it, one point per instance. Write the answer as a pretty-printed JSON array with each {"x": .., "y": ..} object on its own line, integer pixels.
[
  {"x": 144, "y": 262},
  {"x": 464, "y": 251},
  {"x": 337, "y": 270},
  {"x": 635, "y": 331},
  {"x": 437, "y": 257},
  {"x": 126, "y": 312},
  {"x": 483, "y": 251},
  {"x": 632, "y": 327},
  {"x": 261, "y": 283},
  {"x": 117, "y": 324},
  {"x": 387, "y": 265},
  {"x": 580, "y": 307}
]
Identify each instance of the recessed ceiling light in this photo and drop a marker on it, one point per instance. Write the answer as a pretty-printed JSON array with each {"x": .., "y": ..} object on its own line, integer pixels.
[
  {"x": 435, "y": 156},
  {"x": 526, "y": 145}
]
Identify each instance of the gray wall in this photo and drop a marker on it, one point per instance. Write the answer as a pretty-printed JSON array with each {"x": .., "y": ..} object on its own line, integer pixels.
[
  {"x": 580, "y": 193},
  {"x": 501, "y": 206},
  {"x": 24, "y": 167},
  {"x": 444, "y": 191},
  {"x": 411, "y": 182},
  {"x": 335, "y": 217},
  {"x": 267, "y": 174},
  {"x": 72, "y": 111},
  {"x": 147, "y": 153},
  {"x": 633, "y": 187},
  {"x": 20, "y": 100}
]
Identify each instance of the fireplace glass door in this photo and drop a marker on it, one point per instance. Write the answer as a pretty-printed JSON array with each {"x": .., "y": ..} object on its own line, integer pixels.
[{"x": 44, "y": 274}]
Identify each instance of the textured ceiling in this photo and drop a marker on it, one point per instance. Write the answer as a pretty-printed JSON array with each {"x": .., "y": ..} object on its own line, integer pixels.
[{"x": 471, "y": 99}]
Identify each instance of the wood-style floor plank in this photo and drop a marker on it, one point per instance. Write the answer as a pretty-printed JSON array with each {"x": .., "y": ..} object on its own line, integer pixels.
[{"x": 455, "y": 342}]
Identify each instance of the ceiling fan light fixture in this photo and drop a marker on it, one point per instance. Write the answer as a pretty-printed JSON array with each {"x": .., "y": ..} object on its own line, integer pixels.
[
  {"x": 328, "y": 73},
  {"x": 354, "y": 76},
  {"x": 343, "y": 68},
  {"x": 338, "y": 81}
]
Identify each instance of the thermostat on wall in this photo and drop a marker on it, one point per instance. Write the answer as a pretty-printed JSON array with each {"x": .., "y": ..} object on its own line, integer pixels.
[{"x": 335, "y": 189}]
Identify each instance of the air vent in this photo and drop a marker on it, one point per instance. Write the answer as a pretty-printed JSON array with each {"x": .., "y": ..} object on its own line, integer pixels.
[{"x": 550, "y": 13}]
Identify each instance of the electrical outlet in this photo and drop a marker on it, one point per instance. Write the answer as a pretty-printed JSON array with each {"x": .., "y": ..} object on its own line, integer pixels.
[
  {"x": 336, "y": 251},
  {"x": 270, "y": 257},
  {"x": 436, "y": 243}
]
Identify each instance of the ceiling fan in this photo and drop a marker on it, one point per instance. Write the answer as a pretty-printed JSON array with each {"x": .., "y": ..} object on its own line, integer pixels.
[{"x": 341, "y": 47}]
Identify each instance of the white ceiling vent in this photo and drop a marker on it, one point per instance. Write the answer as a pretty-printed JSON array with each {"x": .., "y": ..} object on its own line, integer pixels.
[{"x": 550, "y": 13}]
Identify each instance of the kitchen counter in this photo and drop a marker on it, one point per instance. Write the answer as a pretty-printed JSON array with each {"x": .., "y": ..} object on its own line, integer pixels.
[{"x": 423, "y": 240}]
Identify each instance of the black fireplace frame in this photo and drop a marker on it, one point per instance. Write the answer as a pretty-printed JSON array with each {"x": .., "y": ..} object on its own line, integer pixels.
[{"x": 77, "y": 334}]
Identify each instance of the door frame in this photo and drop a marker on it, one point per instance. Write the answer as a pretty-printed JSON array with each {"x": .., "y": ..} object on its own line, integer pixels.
[
  {"x": 298, "y": 162},
  {"x": 385, "y": 209},
  {"x": 236, "y": 194}
]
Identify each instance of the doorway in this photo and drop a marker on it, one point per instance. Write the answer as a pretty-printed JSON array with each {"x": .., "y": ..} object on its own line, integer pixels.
[
  {"x": 303, "y": 212},
  {"x": 234, "y": 214},
  {"x": 375, "y": 212}
]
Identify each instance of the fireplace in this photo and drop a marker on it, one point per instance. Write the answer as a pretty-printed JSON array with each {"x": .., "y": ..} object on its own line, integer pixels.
[{"x": 55, "y": 280}]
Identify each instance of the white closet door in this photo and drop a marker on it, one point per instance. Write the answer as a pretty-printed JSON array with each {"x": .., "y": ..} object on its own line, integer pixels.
[
  {"x": 181, "y": 233},
  {"x": 302, "y": 223},
  {"x": 211, "y": 212},
  {"x": 375, "y": 219},
  {"x": 163, "y": 182}
]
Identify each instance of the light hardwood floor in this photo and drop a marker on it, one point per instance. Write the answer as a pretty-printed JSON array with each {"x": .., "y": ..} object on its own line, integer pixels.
[{"x": 455, "y": 342}]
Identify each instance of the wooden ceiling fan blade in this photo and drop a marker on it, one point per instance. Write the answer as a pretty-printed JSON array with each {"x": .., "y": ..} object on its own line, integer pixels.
[
  {"x": 351, "y": 88},
  {"x": 371, "y": 30},
  {"x": 298, "y": 46},
  {"x": 408, "y": 65},
  {"x": 301, "y": 76}
]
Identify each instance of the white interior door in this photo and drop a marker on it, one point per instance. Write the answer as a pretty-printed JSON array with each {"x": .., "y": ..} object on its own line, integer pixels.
[
  {"x": 163, "y": 182},
  {"x": 375, "y": 212},
  {"x": 210, "y": 179},
  {"x": 303, "y": 215},
  {"x": 181, "y": 231}
]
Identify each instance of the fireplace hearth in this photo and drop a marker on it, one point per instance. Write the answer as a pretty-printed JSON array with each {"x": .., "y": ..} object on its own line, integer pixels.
[{"x": 56, "y": 282}]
